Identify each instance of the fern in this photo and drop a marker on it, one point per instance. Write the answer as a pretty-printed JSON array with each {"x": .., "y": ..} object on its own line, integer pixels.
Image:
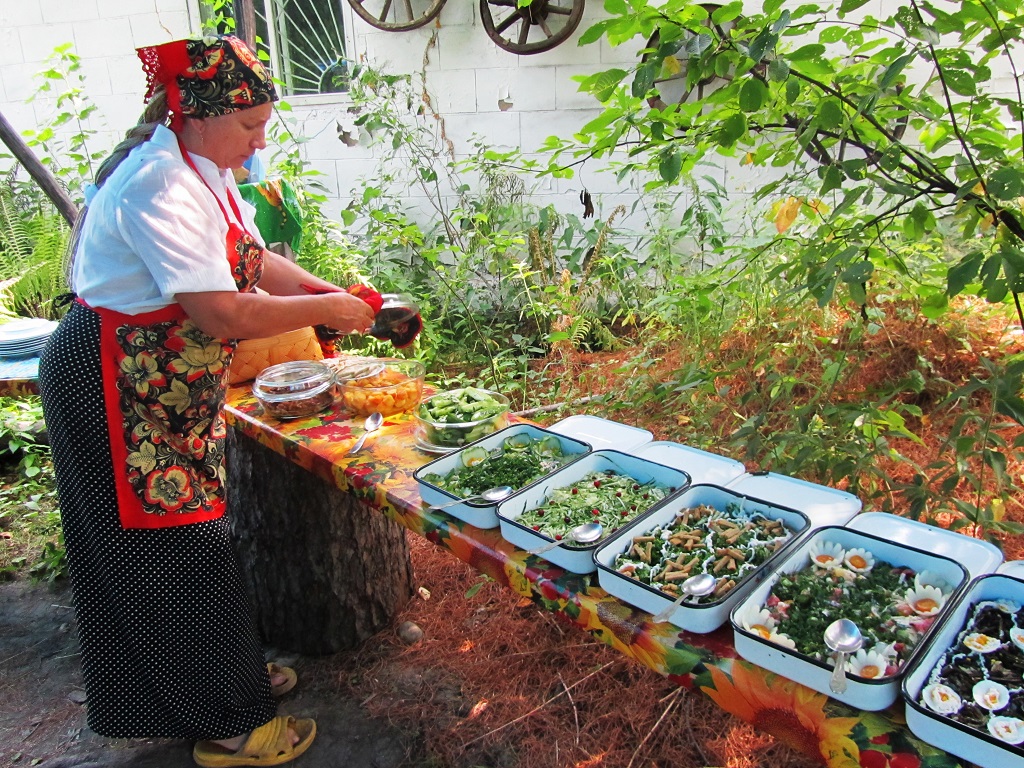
[{"x": 33, "y": 238}]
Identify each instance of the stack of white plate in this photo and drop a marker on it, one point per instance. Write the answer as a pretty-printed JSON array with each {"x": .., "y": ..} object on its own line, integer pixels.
[{"x": 25, "y": 337}]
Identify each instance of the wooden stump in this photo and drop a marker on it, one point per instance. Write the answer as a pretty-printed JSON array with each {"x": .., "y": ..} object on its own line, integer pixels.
[{"x": 323, "y": 570}]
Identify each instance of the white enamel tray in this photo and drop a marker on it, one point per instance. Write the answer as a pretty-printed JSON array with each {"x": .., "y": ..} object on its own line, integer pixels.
[
  {"x": 822, "y": 505},
  {"x": 602, "y": 434},
  {"x": 978, "y": 747},
  {"x": 578, "y": 559},
  {"x": 704, "y": 468},
  {"x": 862, "y": 693},
  {"x": 704, "y": 617},
  {"x": 483, "y": 515}
]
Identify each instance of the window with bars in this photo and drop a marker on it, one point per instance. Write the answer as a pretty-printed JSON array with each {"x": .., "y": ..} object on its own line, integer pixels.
[{"x": 305, "y": 43}]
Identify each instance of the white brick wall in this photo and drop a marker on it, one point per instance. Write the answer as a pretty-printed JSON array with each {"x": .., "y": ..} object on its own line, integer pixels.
[
  {"x": 480, "y": 90},
  {"x": 513, "y": 102}
]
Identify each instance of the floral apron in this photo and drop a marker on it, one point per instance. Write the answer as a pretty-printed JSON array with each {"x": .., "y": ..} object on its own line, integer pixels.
[{"x": 164, "y": 383}]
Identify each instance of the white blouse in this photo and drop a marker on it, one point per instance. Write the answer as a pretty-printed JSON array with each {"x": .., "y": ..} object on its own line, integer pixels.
[{"x": 155, "y": 230}]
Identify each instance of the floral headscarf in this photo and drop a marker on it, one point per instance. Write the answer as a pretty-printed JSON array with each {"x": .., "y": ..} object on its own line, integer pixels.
[{"x": 206, "y": 77}]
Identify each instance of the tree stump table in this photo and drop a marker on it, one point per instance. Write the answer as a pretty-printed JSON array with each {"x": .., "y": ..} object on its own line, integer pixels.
[{"x": 323, "y": 570}]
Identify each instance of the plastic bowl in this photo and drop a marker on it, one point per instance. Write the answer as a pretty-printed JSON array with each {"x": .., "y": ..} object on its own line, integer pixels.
[
  {"x": 397, "y": 388},
  {"x": 454, "y": 430},
  {"x": 295, "y": 389}
]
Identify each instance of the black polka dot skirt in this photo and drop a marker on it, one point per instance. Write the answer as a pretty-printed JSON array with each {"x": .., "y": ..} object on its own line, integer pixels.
[{"x": 169, "y": 647}]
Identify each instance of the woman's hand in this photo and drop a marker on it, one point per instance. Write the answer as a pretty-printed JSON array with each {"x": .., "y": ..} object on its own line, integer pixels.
[{"x": 353, "y": 315}]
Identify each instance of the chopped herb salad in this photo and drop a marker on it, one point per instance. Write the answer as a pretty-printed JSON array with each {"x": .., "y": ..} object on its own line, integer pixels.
[
  {"x": 893, "y": 606},
  {"x": 519, "y": 461},
  {"x": 727, "y": 544},
  {"x": 605, "y": 497}
]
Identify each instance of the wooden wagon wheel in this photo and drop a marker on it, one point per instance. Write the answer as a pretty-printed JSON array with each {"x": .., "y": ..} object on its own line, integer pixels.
[
  {"x": 673, "y": 84},
  {"x": 534, "y": 28},
  {"x": 396, "y": 15}
]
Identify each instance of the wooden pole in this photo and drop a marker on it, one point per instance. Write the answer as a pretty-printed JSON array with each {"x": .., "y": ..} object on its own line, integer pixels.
[
  {"x": 38, "y": 171},
  {"x": 245, "y": 22}
]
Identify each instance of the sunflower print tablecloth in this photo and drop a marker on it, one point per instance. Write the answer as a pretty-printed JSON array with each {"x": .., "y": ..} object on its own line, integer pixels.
[{"x": 382, "y": 476}]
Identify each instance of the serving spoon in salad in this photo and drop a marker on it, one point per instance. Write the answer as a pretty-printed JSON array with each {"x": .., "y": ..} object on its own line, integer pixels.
[
  {"x": 491, "y": 495},
  {"x": 698, "y": 585},
  {"x": 587, "y": 533},
  {"x": 843, "y": 637}
]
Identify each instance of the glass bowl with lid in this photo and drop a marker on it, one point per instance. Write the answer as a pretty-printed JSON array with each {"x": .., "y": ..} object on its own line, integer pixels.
[{"x": 295, "y": 389}]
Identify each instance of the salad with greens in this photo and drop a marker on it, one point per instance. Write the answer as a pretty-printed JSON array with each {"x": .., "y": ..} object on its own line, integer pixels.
[
  {"x": 520, "y": 460},
  {"x": 605, "y": 497},
  {"x": 893, "y": 606}
]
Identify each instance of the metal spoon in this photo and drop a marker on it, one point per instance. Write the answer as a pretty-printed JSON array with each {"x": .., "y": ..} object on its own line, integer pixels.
[
  {"x": 696, "y": 586},
  {"x": 843, "y": 637},
  {"x": 372, "y": 424},
  {"x": 491, "y": 494},
  {"x": 581, "y": 534}
]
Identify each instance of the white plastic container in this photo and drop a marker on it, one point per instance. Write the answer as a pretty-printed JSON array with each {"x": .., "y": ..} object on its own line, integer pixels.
[
  {"x": 977, "y": 746},
  {"x": 483, "y": 515},
  {"x": 704, "y": 617},
  {"x": 579, "y": 558},
  {"x": 862, "y": 693}
]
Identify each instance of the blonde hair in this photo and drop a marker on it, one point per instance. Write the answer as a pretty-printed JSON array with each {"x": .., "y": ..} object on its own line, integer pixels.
[{"x": 155, "y": 114}]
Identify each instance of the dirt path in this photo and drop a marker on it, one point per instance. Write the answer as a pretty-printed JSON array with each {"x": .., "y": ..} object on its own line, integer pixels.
[{"x": 42, "y": 719}]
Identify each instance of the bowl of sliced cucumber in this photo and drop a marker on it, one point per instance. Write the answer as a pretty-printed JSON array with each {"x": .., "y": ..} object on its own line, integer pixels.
[{"x": 457, "y": 417}]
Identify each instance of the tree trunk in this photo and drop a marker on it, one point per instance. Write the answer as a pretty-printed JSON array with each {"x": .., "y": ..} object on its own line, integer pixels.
[
  {"x": 324, "y": 571},
  {"x": 46, "y": 181}
]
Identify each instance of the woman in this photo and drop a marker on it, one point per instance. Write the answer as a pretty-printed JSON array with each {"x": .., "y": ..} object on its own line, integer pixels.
[{"x": 132, "y": 383}]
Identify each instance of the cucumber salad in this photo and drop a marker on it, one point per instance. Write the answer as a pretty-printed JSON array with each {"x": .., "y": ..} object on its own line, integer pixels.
[
  {"x": 702, "y": 539},
  {"x": 519, "y": 461},
  {"x": 461, "y": 416},
  {"x": 605, "y": 497}
]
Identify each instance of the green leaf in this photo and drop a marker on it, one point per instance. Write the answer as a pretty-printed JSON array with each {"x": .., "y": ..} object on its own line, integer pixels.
[
  {"x": 960, "y": 82},
  {"x": 792, "y": 90},
  {"x": 603, "y": 84},
  {"x": 753, "y": 94},
  {"x": 832, "y": 178},
  {"x": 830, "y": 114},
  {"x": 934, "y": 305},
  {"x": 643, "y": 81},
  {"x": 809, "y": 51},
  {"x": 893, "y": 71},
  {"x": 762, "y": 44},
  {"x": 726, "y": 13},
  {"x": 858, "y": 272},
  {"x": 780, "y": 23},
  {"x": 1011, "y": 406},
  {"x": 852, "y": 5},
  {"x": 732, "y": 129},
  {"x": 596, "y": 31},
  {"x": 778, "y": 70},
  {"x": 1007, "y": 183},
  {"x": 670, "y": 165}
]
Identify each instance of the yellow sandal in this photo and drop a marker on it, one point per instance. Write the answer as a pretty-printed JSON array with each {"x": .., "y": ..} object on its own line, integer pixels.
[
  {"x": 281, "y": 688},
  {"x": 269, "y": 744}
]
